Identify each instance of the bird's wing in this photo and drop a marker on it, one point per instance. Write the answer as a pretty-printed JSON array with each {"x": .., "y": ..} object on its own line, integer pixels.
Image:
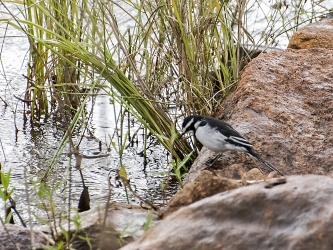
[
  {"x": 239, "y": 141},
  {"x": 232, "y": 136}
]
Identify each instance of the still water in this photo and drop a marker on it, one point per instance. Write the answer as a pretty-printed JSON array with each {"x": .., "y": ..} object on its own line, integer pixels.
[{"x": 28, "y": 152}]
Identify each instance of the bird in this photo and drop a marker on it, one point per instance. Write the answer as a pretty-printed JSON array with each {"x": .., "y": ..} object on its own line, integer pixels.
[{"x": 219, "y": 136}]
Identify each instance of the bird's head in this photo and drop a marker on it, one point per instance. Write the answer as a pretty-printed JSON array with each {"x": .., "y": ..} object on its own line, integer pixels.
[{"x": 191, "y": 123}]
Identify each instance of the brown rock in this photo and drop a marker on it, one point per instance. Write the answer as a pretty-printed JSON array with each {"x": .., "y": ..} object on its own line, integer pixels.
[
  {"x": 296, "y": 215},
  {"x": 273, "y": 175},
  {"x": 283, "y": 105},
  {"x": 253, "y": 176},
  {"x": 234, "y": 171},
  {"x": 204, "y": 185},
  {"x": 315, "y": 35}
]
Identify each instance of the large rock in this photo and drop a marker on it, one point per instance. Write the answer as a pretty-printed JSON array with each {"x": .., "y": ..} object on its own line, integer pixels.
[
  {"x": 204, "y": 185},
  {"x": 13, "y": 237},
  {"x": 315, "y": 35},
  {"x": 108, "y": 229},
  {"x": 295, "y": 215},
  {"x": 283, "y": 105}
]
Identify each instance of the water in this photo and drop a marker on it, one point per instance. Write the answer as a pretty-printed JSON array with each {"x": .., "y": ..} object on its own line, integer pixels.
[{"x": 31, "y": 148}]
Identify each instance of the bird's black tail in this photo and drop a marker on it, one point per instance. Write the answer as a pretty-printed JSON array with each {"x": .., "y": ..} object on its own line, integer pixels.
[{"x": 267, "y": 164}]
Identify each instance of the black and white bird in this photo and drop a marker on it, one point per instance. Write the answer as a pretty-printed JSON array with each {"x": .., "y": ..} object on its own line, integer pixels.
[{"x": 219, "y": 136}]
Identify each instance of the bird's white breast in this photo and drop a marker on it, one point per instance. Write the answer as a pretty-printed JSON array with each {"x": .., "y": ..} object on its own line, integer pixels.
[{"x": 214, "y": 140}]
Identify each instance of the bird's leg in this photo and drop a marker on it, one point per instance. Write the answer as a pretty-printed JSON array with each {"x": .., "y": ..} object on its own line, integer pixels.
[{"x": 211, "y": 162}]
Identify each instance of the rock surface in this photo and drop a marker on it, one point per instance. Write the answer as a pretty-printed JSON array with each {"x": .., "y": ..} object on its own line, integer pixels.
[
  {"x": 283, "y": 105},
  {"x": 13, "y": 237},
  {"x": 252, "y": 177},
  {"x": 295, "y": 215},
  {"x": 315, "y": 35},
  {"x": 205, "y": 185},
  {"x": 123, "y": 224}
]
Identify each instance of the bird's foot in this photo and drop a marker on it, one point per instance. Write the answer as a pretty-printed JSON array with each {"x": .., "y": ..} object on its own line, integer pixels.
[{"x": 211, "y": 162}]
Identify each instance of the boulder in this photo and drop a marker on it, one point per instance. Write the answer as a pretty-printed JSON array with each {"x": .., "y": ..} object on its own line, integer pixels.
[
  {"x": 295, "y": 215},
  {"x": 204, "y": 185},
  {"x": 283, "y": 105},
  {"x": 13, "y": 237},
  {"x": 108, "y": 229},
  {"x": 315, "y": 35},
  {"x": 252, "y": 177}
]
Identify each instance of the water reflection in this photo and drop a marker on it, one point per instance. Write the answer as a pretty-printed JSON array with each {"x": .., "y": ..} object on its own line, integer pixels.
[
  {"x": 31, "y": 148},
  {"x": 36, "y": 145}
]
